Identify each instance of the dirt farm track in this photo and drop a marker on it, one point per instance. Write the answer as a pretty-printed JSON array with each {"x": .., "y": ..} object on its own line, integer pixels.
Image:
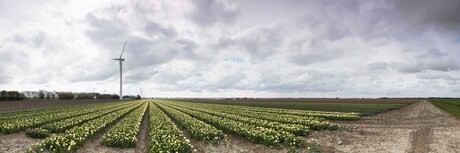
[{"x": 416, "y": 128}]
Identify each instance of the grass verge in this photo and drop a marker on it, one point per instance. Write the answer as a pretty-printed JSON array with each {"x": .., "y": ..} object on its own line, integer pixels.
[{"x": 451, "y": 106}]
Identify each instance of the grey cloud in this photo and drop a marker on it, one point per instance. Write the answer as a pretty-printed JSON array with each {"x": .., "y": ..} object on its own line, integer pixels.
[
  {"x": 319, "y": 82},
  {"x": 135, "y": 77},
  {"x": 143, "y": 53},
  {"x": 95, "y": 73},
  {"x": 208, "y": 12},
  {"x": 140, "y": 51},
  {"x": 38, "y": 78},
  {"x": 409, "y": 67},
  {"x": 429, "y": 76},
  {"x": 379, "y": 65},
  {"x": 443, "y": 13},
  {"x": 433, "y": 53},
  {"x": 432, "y": 59},
  {"x": 39, "y": 39},
  {"x": 153, "y": 28},
  {"x": 4, "y": 78},
  {"x": 260, "y": 42},
  {"x": 337, "y": 20},
  {"x": 326, "y": 23},
  {"x": 440, "y": 65},
  {"x": 318, "y": 48},
  {"x": 424, "y": 65},
  {"x": 308, "y": 52},
  {"x": 316, "y": 55},
  {"x": 169, "y": 77},
  {"x": 5, "y": 56},
  {"x": 162, "y": 44},
  {"x": 13, "y": 60},
  {"x": 105, "y": 31},
  {"x": 35, "y": 39},
  {"x": 202, "y": 77},
  {"x": 187, "y": 45},
  {"x": 237, "y": 76},
  {"x": 420, "y": 66},
  {"x": 434, "y": 75}
]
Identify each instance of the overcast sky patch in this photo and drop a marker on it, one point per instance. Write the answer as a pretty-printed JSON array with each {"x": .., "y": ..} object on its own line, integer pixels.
[{"x": 218, "y": 48}]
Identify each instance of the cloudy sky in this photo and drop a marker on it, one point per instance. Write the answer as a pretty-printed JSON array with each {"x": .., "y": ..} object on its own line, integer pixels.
[{"x": 233, "y": 48}]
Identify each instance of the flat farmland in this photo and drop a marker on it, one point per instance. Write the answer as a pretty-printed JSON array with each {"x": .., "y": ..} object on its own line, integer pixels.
[
  {"x": 364, "y": 106},
  {"x": 34, "y": 104},
  {"x": 210, "y": 126}
]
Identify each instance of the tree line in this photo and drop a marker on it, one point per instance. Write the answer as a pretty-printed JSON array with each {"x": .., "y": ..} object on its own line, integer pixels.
[
  {"x": 11, "y": 95},
  {"x": 42, "y": 94}
]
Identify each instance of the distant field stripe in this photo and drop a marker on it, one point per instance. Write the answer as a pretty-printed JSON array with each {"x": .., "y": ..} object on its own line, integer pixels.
[
  {"x": 321, "y": 114},
  {"x": 123, "y": 135},
  {"x": 197, "y": 129},
  {"x": 253, "y": 133},
  {"x": 26, "y": 113},
  {"x": 62, "y": 125},
  {"x": 164, "y": 135},
  {"x": 74, "y": 138},
  {"x": 293, "y": 128},
  {"x": 13, "y": 125},
  {"x": 313, "y": 123},
  {"x": 22, "y": 114},
  {"x": 365, "y": 108}
]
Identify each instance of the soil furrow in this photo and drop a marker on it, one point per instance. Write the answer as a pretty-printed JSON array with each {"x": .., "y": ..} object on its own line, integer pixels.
[
  {"x": 420, "y": 140},
  {"x": 143, "y": 137}
]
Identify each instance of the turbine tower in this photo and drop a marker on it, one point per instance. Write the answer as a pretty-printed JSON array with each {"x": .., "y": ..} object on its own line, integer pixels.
[{"x": 120, "y": 60}]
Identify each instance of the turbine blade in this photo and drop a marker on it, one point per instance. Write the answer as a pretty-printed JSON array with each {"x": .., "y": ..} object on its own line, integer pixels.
[{"x": 123, "y": 49}]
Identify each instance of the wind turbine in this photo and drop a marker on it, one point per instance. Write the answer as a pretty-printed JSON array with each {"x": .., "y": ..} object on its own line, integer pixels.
[{"x": 120, "y": 60}]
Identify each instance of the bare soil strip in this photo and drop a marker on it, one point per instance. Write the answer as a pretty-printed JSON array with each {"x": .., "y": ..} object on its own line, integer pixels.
[
  {"x": 409, "y": 129},
  {"x": 17, "y": 142},
  {"x": 94, "y": 146},
  {"x": 420, "y": 140},
  {"x": 143, "y": 137}
]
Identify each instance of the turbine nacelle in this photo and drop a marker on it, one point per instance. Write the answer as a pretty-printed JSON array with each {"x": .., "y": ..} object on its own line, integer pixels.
[{"x": 119, "y": 59}]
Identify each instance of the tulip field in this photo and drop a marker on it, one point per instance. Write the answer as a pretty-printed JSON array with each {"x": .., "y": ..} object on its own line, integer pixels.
[{"x": 171, "y": 128}]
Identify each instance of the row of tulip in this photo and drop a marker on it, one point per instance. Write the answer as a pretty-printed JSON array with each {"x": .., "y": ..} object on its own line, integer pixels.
[
  {"x": 164, "y": 135},
  {"x": 197, "y": 129},
  {"x": 74, "y": 138},
  {"x": 293, "y": 128},
  {"x": 123, "y": 135},
  {"x": 313, "y": 123},
  {"x": 37, "y": 133},
  {"x": 17, "y": 125},
  {"x": 32, "y": 112},
  {"x": 4, "y": 116},
  {"x": 348, "y": 116},
  {"x": 62, "y": 125},
  {"x": 257, "y": 134}
]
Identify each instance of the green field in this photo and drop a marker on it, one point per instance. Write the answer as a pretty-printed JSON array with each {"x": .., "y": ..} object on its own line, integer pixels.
[
  {"x": 365, "y": 108},
  {"x": 451, "y": 106}
]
